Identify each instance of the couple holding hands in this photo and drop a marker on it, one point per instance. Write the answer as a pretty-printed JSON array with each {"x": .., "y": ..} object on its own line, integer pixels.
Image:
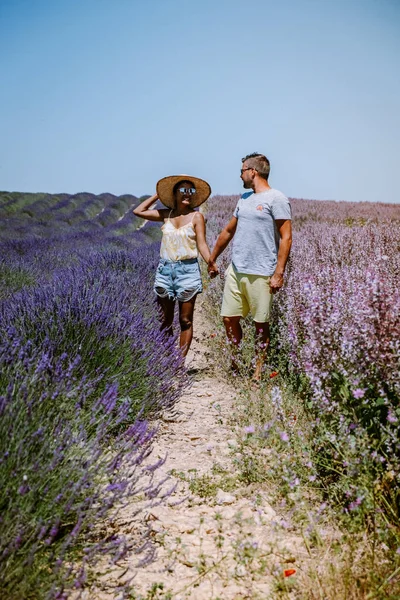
[{"x": 262, "y": 235}]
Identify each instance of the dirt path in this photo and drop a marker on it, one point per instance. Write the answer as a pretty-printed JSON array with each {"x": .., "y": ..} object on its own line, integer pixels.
[{"x": 214, "y": 539}]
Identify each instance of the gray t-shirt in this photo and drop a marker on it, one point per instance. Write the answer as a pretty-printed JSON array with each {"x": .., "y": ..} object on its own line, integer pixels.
[{"x": 256, "y": 241}]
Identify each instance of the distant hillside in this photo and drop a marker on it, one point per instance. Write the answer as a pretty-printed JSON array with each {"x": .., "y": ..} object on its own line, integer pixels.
[{"x": 27, "y": 215}]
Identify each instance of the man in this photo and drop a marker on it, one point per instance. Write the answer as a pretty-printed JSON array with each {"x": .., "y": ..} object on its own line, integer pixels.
[{"x": 262, "y": 232}]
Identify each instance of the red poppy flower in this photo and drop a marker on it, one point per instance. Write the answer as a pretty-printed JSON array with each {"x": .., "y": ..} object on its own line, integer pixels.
[
  {"x": 273, "y": 374},
  {"x": 289, "y": 572}
]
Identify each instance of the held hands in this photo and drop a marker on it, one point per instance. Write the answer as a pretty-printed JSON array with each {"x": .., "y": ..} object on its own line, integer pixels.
[
  {"x": 276, "y": 282},
  {"x": 213, "y": 270}
]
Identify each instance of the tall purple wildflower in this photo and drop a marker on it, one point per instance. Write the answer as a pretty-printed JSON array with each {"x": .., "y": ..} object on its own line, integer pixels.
[{"x": 336, "y": 332}]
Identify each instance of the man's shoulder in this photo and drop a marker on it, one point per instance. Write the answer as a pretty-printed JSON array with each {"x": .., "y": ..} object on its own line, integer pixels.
[
  {"x": 278, "y": 195},
  {"x": 271, "y": 194},
  {"x": 279, "y": 199}
]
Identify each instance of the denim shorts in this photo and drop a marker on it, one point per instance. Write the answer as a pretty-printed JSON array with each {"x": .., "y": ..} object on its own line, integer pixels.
[{"x": 178, "y": 279}]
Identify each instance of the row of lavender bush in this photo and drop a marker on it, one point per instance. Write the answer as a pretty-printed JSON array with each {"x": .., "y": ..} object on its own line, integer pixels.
[
  {"x": 336, "y": 340},
  {"x": 82, "y": 365},
  {"x": 45, "y": 215}
]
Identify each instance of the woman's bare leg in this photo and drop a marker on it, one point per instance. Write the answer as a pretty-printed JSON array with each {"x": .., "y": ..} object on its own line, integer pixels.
[
  {"x": 186, "y": 310},
  {"x": 166, "y": 306}
]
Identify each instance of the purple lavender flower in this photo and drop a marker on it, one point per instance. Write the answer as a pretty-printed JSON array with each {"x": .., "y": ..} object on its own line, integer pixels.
[
  {"x": 356, "y": 503},
  {"x": 284, "y": 436},
  {"x": 249, "y": 429}
]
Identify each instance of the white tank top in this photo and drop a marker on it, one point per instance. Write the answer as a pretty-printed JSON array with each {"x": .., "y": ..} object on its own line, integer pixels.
[{"x": 178, "y": 243}]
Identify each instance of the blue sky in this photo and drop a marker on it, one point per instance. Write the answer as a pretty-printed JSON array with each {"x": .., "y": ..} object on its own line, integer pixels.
[{"x": 111, "y": 95}]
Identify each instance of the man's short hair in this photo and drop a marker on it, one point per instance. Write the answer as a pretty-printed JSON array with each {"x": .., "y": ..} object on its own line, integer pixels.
[{"x": 259, "y": 162}]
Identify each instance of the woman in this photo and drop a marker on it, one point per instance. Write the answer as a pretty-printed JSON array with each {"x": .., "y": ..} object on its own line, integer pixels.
[{"x": 184, "y": 236}]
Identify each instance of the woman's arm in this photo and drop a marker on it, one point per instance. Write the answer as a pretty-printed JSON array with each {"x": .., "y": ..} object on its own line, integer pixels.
[
  {"x": 199, "y": 225},
  {"x": 143, "y": 210}
]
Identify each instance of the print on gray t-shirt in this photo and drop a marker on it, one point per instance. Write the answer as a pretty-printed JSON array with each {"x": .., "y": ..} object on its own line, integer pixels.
[{"x": 256, "y": 240}]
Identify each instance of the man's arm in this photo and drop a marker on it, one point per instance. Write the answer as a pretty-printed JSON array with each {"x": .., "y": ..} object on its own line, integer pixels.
[
  {"x": 222, "y": 241},
  {"x": 285, "y": 233}
]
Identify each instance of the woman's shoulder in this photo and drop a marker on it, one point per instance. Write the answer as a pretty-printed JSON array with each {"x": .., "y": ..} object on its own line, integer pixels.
[{"x": 198, "y": 217}]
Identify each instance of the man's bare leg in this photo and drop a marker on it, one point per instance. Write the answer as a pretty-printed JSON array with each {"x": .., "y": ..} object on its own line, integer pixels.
[
  {"x": 234, "y": 334},
  {"x": 262, "y": 343}
]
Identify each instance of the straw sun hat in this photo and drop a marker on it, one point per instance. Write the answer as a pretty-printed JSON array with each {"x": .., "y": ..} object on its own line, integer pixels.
[{"x": 165, "y": 190}]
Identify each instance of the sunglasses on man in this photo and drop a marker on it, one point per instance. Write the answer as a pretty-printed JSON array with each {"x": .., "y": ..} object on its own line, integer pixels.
[{"x": 189, "y": 191}]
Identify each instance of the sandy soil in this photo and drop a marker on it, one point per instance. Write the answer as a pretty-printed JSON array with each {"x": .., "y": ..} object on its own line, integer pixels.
[{"x": 226, "y": 545}]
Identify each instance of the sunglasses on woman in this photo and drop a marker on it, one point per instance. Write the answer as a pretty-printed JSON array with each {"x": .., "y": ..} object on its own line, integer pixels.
[{"x": 189, "y": 191}]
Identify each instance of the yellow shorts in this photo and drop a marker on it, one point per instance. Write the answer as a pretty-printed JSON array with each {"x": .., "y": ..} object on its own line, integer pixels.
[{"x": 245, "y": 293}]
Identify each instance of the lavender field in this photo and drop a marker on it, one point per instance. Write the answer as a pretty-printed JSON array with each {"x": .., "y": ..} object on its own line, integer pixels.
[
  {"x": 336, "y": 343},
  {"x": 85, "y": 371},
  {"x": 83, "y": 366}
]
